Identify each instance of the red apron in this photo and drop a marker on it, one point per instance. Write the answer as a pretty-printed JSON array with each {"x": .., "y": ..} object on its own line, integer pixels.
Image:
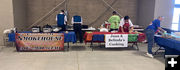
[{"x": 125, "y": 27}]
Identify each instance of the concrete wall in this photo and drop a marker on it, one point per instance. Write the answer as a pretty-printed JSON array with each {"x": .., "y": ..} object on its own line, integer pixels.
[
  {"x": 6, "y": 17},
  {"x": 145, "y": 12},
  {"x": 20, "y": 14},
  {"x": 164, "y": 8},
  {"x": 94, "y": 12},
  {"x": 38, "y": 8},
  {"x": 151, "y": 9}
]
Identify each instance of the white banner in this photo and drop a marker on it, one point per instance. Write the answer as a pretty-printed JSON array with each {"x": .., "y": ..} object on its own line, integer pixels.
[{"x": 116, "y": 40}]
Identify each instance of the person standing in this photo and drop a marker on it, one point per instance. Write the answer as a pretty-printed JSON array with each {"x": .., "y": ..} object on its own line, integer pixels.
[
  {"x": 126, "y": 25},
  {"x": 61, "y": 19},
  {"x": 153, "y": 27},
  {"x": 77, "y": 26},
  {"x": 114, "y": 21}
]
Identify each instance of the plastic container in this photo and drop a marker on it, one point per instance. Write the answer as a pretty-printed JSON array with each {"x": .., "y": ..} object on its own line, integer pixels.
[
  {"x": 47, "y": 29},
  {"x": 36, "y": 29}
]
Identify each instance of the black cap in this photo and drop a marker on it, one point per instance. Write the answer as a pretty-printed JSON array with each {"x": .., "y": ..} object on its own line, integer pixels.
[
  {"x": 62, "y": 10},
  {"x": 114, "y": 12},
  {"x": 126, "y": 17}
]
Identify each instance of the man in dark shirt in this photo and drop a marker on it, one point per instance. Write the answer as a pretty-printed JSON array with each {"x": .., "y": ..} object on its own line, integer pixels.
[
  {"x": 61, "y": 20},
  {"x": 77, "y": 26}
]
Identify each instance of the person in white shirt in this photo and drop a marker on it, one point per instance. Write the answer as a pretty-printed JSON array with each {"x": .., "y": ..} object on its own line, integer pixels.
[
  {"x": 104, "y": 27},
  {"x": 126, "y": 25}
]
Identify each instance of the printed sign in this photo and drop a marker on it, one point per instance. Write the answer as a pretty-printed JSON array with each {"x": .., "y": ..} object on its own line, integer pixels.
[
  {"x": 116, "y": 40},
  {"x": 39, "y": 41}
]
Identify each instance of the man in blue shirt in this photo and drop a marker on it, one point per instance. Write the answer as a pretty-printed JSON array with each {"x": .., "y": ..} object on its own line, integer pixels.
[
  {"x": 61, "y": 20},
  {"x": 153, "y": 27}
]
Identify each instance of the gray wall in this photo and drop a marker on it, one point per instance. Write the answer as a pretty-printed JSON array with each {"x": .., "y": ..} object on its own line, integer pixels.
[
  {"x": 164, "y": 8},
  {"x": 149, "y": 10},
  {"x": 38, "y": 8},
  {"x": 20, "y": 14},
  {"x": 6, "y": 17},
  {"x": 145, "y": 12},
  {"x": 94, "y": 12}
]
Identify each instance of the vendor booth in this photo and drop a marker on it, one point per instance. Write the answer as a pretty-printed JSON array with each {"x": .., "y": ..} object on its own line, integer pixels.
[{"x": 100, "y": 37}]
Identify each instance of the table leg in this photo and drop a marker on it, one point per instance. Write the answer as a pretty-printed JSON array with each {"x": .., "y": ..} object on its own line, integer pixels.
[
  {"x": 68, "y": 46},
  {"x": 92, "y": 46},
  {"x": 160, "y": 48},
  {"x": 135, "y": 43},
  {"x": 137, "y": 46}
]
